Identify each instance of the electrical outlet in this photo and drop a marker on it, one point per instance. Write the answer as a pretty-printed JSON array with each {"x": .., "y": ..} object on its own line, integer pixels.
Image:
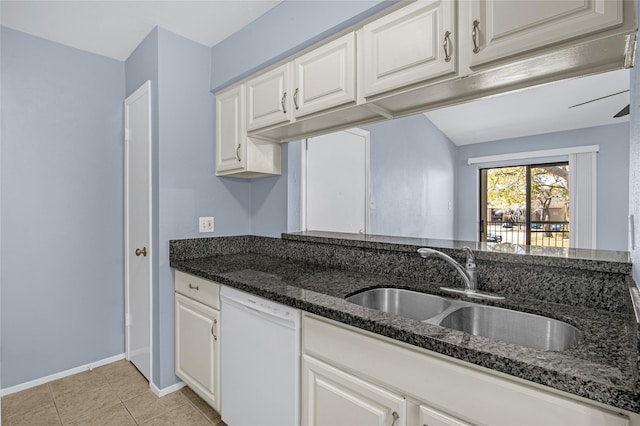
[{"x": 205, "y": 224}]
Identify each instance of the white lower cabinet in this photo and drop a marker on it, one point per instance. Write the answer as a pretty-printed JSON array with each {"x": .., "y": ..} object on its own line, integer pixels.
[
  {"x": 332, "y": 397},
  {"x": 196, "y": 339},
  {"x": 353, "y": 377}
]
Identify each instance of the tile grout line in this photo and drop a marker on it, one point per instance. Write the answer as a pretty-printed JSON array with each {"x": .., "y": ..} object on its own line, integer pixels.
[
  {"x": 55, "y": 404},
  {"x": 123, "y": 402},
  {"x": 129, "y": 411},
  {"x": 201, "y": 412}
]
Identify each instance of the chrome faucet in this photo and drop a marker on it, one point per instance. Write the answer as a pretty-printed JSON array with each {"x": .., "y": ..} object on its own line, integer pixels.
[{"x": 468, "y": 274}]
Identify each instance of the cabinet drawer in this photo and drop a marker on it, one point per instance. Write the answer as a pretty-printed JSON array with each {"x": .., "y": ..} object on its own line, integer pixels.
[{"x": 204, "y": 291}]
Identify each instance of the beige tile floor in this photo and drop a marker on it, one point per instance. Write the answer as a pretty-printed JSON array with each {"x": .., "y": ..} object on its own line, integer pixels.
[{"x": 115, "y": 395}]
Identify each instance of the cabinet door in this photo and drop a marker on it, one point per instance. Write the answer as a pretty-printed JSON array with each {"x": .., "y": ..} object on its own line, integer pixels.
[
  {"x": 506, "y": 28},
  {"x": 197, "y": 348},
  {"x": 432, "y": 417},
  {"x": 331, "y": 397},
  {"x": 408, "y": 46},
  {"x": 325, "y": 77},
  {"x": 230, "y": 130},
  {"x": 268, "y": 98}
]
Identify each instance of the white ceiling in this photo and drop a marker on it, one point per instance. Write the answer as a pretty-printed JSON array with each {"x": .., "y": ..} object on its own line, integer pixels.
[
  {"x": 115, "y": 28},
  {"x": 542, "y": 109}
]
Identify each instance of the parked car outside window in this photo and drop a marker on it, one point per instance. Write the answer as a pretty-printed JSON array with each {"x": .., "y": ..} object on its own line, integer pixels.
[{"x": 493, "y": 238}]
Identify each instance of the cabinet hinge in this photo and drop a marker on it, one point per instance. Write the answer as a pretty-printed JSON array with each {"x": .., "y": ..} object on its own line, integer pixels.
[
  {"x": 306, "y": 144},
  {"x": 126, "y": 135},
  {"x": 127, "y": 320}
]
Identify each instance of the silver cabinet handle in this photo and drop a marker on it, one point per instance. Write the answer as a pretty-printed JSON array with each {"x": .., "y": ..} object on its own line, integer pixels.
[
  {"x": 295, "y": 98},
  {"x": 283, "y": 102},
  {"x": 445, "y": 45},
  {"x": 474, "y": 36},
  {"x": 395, "y": 417},
  {"x": 238, "y": 152},
  {"x": 194, "y": 287},
  {"x": 215, "y": 321}
]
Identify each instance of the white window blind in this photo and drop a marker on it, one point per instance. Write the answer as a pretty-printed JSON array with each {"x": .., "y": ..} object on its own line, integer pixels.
[{"x": 582, "y": 200}]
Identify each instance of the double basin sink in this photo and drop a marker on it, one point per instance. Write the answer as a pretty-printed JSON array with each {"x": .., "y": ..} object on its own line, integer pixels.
[{"x": 520, "y": 328}]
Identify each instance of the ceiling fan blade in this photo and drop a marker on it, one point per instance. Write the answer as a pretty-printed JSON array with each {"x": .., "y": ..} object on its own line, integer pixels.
[
  {"x": 597, "y": 99},
  {"x": 624, "y": 111}
]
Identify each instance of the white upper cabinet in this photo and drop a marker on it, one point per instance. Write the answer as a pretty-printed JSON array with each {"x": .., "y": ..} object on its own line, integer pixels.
[
  {"x": 411, "y": 45},
  {"x": 236, "y": 153},
  {"x": 325, "y": 77},
  {"x": 497, "y": 29},
  {"x": 413, "y": 57},
  {"x": 268, "y": 98},
  {"x": 316, "y": 81},
  {"x": 230, "y": 129}
]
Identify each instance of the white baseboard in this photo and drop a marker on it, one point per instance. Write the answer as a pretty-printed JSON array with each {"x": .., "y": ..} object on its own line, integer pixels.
[
  {"x": 166, "y": 391},
  {"x": 60, "y": 375}
]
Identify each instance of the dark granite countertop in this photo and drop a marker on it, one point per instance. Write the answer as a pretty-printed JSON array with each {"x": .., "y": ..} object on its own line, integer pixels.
[
  {"x": 603, "y": 367},
  {"x": 587, "y": 259}
]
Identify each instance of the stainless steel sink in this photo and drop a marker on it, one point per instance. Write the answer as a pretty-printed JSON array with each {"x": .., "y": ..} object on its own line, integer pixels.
[
  {"x": 529, "y": 330},
  {"x": 405, "y": 303},
  {"x": 533, "y": 331}
]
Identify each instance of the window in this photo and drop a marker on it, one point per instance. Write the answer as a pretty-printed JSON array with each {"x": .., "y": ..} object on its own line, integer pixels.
[{"x": 526, "y": 204}]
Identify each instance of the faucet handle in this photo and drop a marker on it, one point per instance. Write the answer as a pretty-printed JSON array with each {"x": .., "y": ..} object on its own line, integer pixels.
[{"x": 471, "y": 257}]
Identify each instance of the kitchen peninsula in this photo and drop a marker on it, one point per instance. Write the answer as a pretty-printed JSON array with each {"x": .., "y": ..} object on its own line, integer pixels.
[{"x": 314, "y": 272}]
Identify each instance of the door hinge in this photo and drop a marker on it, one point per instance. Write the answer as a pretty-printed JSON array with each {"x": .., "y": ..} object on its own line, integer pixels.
[{"x": 127, "y": 320}]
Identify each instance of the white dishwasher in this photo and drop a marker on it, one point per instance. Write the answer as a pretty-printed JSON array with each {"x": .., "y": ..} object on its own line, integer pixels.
[{"x": 260, "y": 361}]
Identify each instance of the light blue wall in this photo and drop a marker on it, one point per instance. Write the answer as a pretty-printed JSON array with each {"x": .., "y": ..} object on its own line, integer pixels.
[
  {"x": 187, "y": 182},
  {"x": 184, "y": 183},
  {"x": 1, "y": 136},
  {"x": 140, "y": 66},
  {"x": 412, "y": 179},
  {"x": 634, "y": 166},
  {"x": 294, "y": 203},
  {"x": 284, "y": 30},
  {"x": 287, "y": 28},
  {"x": 613, "y": 178},
  {"x": 62, "y": 217},
  {"x": 269, "y": 202}
]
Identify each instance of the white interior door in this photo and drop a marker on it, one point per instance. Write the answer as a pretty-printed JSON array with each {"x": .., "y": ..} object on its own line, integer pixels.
[
  {"x": 137, "y": 228},
  {"x": 335, "y": 193}
]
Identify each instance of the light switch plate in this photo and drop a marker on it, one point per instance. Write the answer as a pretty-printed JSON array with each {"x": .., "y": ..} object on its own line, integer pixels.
[{"x": 205, "y": 224}]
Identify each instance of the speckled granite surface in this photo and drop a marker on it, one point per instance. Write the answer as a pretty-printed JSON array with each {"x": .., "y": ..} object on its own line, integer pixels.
[
  {"x": 603, "y": 367},
  {"x": 596, "y": 260}
]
